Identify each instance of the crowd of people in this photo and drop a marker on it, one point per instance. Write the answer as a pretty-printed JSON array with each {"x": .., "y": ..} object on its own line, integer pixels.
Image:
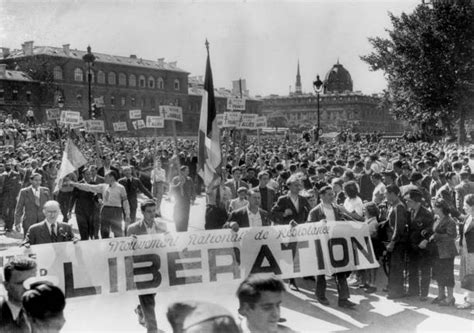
[{"x": 417, "y": 199}]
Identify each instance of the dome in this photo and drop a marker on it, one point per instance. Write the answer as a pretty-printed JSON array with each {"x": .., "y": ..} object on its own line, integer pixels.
[{"x": 338, "y": 79}]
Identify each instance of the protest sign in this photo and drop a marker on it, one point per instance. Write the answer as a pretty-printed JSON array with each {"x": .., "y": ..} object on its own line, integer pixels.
[
  {"x": 99, "y": 102},
  {"x": 94, "y": 126},
  {"x": 80, "y": 124},
  {"x": 138, "y": 124},
  {"x": 171, "y": 112},
  {"x": 70, "y": 117},
  {"x": 236, "y": 103},
  {"x": 153, "y": 263},
  {"x": 220, "y": 120},
  {"x": 261, "y": 122},
  {"x": 120, "y": 126},
  {"x": 231, "y": 119},
  {"x": 155, "y": 122},
  {"x": 135, "y": 114},
  {"x": 53, "y": 114},
  {"x": 248, "y": 121}
]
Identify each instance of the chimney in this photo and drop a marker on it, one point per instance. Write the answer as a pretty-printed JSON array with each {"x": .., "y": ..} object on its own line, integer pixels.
[
  {"x": 27, "y": 48},
  {"x": 66, "y": 49},
  {"x": 133, "y": 56},
  {"x": 5, "y": 52},
  {"x": 161, "y": 61},
  {"x": 3, "y": 69}
]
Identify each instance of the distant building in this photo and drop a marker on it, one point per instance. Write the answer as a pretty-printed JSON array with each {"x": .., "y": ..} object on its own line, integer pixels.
[{"x": 340, "y": 107}]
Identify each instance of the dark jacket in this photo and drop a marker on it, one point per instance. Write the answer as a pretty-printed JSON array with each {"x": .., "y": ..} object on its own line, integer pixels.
[
  {"x": 7, "y": 324},
  {"x": 284, "y": 202},
  {"x": 270, "y": 200},
  {"x": 241, "y": 216},
  {"x": 39, "y": 233},
  {"x": 444, "y": 238},
  {"x": 134, "y": 187},
  {"x": 317, "y": 214},
  {"x": 421, "y": 222}
]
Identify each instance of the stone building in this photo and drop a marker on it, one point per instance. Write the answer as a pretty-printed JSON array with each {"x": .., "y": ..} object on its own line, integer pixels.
[{"x": 340, "y": 107}]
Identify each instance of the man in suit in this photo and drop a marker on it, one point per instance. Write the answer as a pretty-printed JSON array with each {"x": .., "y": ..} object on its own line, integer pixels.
[
  {"x": 106, "y": 167},
  {"x": 464, "y": 188},
  {"x": 87, "y": 209},
  {"x": 34, "y": 168},
  {"x": 249, "y": 216},
  {"x": 182, "y": 187},
  {"x": 11, "y": 188},
  {"x": 235, "y": 183},
  {"x": 328, "y": 211},
  {"x": 268, "y": 195},
  {"x": 50, "y": 230},
  {"x": 132, "y": 186},
  {"x": 95, "y": 178},
  {"x": 12, "y": 315},
  {"x": 29, "y": 208},
  {"x": 292, "y": 206},
  {"x": 420, "y": 226},
  {"x": 146, "y": 309},
  {"x": 447, "y": 192}
]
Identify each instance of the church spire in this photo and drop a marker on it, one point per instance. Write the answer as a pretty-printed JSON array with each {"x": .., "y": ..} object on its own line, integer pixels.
[{"x": 298, "y": 80}]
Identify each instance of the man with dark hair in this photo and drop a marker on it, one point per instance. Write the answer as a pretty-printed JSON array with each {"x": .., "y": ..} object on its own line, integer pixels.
[
  {"x": 268, "y": 195},
  {"x": 292, "y": 206},
  {"x": 420, "y": 227},
  {"x": 182, "y": 187},
  {"x": 249, "y": 216},
  {"x": 132, "y": 186},
  {"x": 397, "y": 235},
  {"x": 260, "y": 298},
  {"x": 44, "y": 305},
  {"x": 12, "y": 316},
  {"x": 148, "y": 226},
  {"x": 235, "y": 183}
]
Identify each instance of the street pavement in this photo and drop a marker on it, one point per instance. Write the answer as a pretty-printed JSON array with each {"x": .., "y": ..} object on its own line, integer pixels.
[{"x": 301, "y": 311}]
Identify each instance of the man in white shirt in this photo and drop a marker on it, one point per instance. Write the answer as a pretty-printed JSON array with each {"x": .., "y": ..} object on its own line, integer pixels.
[{"x": 249, "y": 216}]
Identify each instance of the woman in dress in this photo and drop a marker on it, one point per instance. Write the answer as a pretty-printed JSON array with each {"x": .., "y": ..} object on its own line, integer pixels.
[{"x": 467, "y": 250}]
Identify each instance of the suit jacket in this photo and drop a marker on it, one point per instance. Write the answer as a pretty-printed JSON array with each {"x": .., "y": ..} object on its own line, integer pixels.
[
  {"x": 284, "y": 202},
  {"x": 39, "y": 233},
  {"x": 241, "y": 216},
  {"x": 444, "y": 238},
  {"x": 445, "y": 193},
  {"x": 461, "y": 191},
  {"x": 317, "y": 214},
  {"x": 101, "y": 171},
  {"x": 12, "y": 184},
  {"x": 26, "y": 211},
  {"x": 132, "y": 190},
  {"x": 271, "y": 197},
  {"x": 7, "y": 324},
  {"x": 28, "y": 173},
  {"x": 422, "y": 221},
  {"x": 85, "y": 202},
  {"x": 231, "y": 184}
]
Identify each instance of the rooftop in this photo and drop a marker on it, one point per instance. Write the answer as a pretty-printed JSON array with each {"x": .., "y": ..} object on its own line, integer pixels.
[{"x": 14, "y": 76}]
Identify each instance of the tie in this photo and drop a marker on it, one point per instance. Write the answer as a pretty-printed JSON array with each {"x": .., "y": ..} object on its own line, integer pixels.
[{"x": 54, "y": 237}]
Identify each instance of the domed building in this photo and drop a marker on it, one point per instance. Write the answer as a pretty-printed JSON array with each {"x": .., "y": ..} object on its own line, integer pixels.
[{"x": 340, "y": 107}]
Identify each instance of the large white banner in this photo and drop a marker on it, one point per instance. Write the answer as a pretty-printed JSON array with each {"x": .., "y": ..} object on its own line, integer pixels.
[{"x": 152, "y": 263}]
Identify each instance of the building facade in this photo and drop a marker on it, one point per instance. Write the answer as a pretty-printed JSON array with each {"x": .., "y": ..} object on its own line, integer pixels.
[{"x": 339, "y": 107}]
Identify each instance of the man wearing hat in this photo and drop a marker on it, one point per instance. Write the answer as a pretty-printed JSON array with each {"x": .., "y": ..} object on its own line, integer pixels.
[{"x": 464, "y": 188}]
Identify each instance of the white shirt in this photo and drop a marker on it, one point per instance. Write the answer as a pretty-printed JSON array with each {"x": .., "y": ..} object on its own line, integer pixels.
[
  {"x": 238, "y": 203},
  {"x": 379, "y": 193},
  {"x": 255, "y": 220},
  {"x": 295, "y": 201},
  {"x": 36, "y": 192},
  {"x": 355, "y": 204},
  {"x": 158, "y": 175},
  {"x": 155, "y": 228}
]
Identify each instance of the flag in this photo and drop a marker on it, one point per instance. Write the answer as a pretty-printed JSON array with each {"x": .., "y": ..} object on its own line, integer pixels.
[
  {"x": 72, "y": 160},
  {"x": 209, "y": 155}
]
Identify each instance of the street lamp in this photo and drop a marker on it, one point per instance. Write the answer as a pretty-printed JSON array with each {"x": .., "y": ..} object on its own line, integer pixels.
[
  {"x": 318, "y": 88},
  {"x": 89, "y": 59}
]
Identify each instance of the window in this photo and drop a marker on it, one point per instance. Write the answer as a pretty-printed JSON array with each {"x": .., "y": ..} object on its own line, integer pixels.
[
  {"x": 176, "y": 84},
  {"x": 132, "y": 80},
  {"x": 122, "y": 79},
  {"x": 101, "y": 77},
  {"x": 133, "y": 101},
  {"x": 28, "y": 96},
  {"x": 151, "y": 82},
  {"x": 78, "y": 75},
  {"x": 112, "y": 78},
  {"x": 160, "y": 83},
  {"x": 141, "y": 81},
  {"x": 112, "y": 100},
  {"x": 15, "y": 94},
  {"x": 122, "y": 101},
  {"x": 58, "y": 73}
]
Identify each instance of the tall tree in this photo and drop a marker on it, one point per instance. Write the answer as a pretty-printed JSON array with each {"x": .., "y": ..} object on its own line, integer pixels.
[{"x": 428, "y": 63}]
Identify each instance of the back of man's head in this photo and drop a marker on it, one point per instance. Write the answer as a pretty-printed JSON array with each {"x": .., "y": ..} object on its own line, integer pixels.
[
  {"x": 17, "y": 264},
  {"x": 251, "y": 288}
]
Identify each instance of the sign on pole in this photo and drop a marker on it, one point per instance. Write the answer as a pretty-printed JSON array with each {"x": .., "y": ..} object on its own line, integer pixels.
[
  {"x": 53, "y": 114},
  {"x": 70, "y": 117},
  {"x": 138, "y": 124},
  {"x": 232, "y": 119},
  {"x": 236, "y": 103},
  {"x": 135, "y": 114},
  {"x": 248, "y": 121},
  {"x": 171, "y": 112},
  {"x": 99, "y": 102},
  {"x": 261, "y": 121},
  {"x": 95, "y": 126},
  {"x": 80, "y": 124},
  {"x": 120, "y": 126},
  {"x": 220, "y": 120},
  {"x": 155, "y": 122}
]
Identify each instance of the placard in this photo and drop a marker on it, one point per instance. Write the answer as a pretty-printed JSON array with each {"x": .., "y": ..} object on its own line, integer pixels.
[
  {"x": 220, "y": 120},
  {"x": 53, "y": 114},
  {"x": 261, "y": 121},
  {"x": 99, "y": 102},
  {"x": 120, "y": 126},
  {"x": 248, "y": 121},
  {"x": 171, "y": 112},
  {"x": 231, "y": 119},
  {"x": 135, "y": 114},
  {"x": 138, "y": 124},
  {"x": 70, "y": 117},
  {"x": 236, "y": 103},
  {"x": 94, "y": 126},
  {"x": 155, "y": 122},
  {"x": 80, "y": 124}
]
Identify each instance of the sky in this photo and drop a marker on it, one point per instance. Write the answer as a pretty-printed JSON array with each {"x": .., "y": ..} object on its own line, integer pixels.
[{"x": 260, "y": 41}]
